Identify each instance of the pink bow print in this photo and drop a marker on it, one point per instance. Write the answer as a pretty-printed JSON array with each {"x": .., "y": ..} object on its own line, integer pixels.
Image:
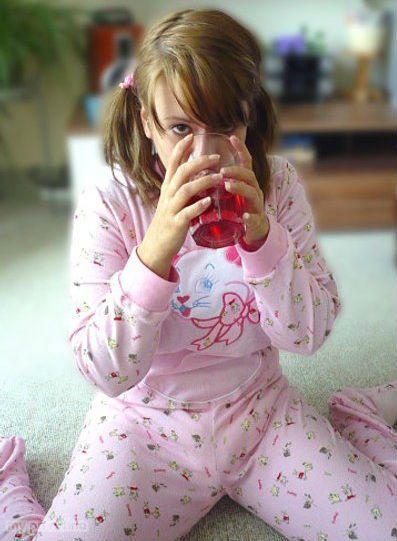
[{"x": 229, "y": 325}]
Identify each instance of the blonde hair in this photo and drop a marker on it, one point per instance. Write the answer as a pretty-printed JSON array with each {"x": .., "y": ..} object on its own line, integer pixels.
[{"x": 215, "y": 63}]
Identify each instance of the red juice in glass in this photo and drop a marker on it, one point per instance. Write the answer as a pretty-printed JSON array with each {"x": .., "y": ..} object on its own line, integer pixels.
[{"x": 221, "y": 224}]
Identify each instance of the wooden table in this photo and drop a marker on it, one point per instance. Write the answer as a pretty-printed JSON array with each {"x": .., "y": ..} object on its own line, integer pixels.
[
  {"x": 337, "y": 116},
  {"x": 348, "y": 190}
]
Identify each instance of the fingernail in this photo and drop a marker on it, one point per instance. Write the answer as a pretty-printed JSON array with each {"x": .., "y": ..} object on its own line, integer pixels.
[
  {"x": 216, "y": 176},
  {"x": 227, "y": 185},
  {"x": 214, "y": 156}
]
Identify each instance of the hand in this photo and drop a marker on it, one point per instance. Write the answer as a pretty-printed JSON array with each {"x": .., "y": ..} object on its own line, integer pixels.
[
  {"x": 245, "y": 184},
  {"x": 168, "y": 229}
]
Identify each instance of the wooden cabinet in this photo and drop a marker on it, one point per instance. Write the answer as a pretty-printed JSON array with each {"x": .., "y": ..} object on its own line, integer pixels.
[{"x": 352, "y": 184}]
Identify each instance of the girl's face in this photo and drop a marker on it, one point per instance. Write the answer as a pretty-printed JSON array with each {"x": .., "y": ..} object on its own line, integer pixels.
[{"x": 176, "y": 122}]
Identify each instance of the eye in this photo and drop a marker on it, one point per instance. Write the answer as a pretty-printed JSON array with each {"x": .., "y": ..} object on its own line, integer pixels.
[
  {"x": 204, "y": 285},
  {"x": 228, "y": 129},
  {"x": 180, "y": 129}
]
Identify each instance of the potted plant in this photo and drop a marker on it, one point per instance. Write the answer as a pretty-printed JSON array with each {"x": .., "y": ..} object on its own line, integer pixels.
[
  {"x": 35, "y": 36},
  {"x": 36, "y": 39}
]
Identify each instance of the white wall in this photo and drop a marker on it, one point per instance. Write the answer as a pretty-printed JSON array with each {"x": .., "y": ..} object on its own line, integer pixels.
[
  {"x": 266, "y": 18},
  {"x": 269, "y": 18}
]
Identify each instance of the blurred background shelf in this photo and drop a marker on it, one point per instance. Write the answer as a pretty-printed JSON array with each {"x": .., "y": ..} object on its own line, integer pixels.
[
  {"x": 351, "y": 178},
  {"x": 352, "y": 197},
  {"x": 338, "y": 115}
]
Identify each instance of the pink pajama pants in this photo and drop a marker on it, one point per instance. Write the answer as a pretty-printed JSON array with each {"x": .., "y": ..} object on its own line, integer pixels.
[{"x": 150, "y": 468}]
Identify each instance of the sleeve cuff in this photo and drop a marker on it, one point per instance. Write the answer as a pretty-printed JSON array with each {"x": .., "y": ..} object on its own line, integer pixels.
[
  {"x": 264, "y": 260},
  {"x": 141, "y": 285}
]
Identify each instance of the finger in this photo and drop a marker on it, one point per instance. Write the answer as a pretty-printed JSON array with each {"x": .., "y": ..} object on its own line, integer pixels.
[
  {"x": 244, "y": 157},
  {"x": 240, "y": 173},
  {"x": 186, "y": 172},
  {"x": 195, "y": 189},
  {"x": 177, "y": 156},
  {"x": 250, "y": 194},
  {"x": 187, "y": 214},
  {"x": 251, "y": 221},
  {"x": 253, "y": 224}
]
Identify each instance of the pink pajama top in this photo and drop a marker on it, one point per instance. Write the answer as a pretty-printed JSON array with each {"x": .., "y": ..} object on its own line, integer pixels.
[{"x": 220, "y": 315}]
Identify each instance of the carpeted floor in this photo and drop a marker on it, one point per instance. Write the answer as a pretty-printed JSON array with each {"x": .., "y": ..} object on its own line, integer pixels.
[{"x": 44, "y": 399}]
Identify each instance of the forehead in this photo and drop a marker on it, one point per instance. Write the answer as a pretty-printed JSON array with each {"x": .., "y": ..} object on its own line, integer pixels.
[
  {"x": 169, "y": 102},
  {"x": 165, "y": 102}
]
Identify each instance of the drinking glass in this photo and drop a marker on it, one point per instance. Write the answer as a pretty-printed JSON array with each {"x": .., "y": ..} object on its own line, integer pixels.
[{"x": 221, "y": 224}]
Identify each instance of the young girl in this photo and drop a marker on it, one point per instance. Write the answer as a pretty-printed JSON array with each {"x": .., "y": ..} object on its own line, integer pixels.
[{"x": 182, "y": 342}]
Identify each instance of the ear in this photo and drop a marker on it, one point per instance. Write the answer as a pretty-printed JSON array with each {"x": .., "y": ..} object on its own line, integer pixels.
[{"x": 145, "y": 123}]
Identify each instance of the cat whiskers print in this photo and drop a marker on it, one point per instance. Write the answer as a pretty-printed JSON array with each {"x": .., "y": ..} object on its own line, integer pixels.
[
  {"x": 184, "y": 309},
  {"x": 205, "y": 284}
]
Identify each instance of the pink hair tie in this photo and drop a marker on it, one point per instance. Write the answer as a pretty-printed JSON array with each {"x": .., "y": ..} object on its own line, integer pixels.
[{"x": 128, "y": 81}]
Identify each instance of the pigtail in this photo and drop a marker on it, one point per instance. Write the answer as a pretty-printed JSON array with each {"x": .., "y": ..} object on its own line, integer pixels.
[
  {"x": 261, "y": 136},
  {"x": 267, "y": 118},
  {"x": 126, "y": 145}
]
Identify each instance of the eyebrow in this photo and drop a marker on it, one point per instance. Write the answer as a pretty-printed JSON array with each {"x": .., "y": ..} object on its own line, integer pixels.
[{"x": 179, "y": 118}]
